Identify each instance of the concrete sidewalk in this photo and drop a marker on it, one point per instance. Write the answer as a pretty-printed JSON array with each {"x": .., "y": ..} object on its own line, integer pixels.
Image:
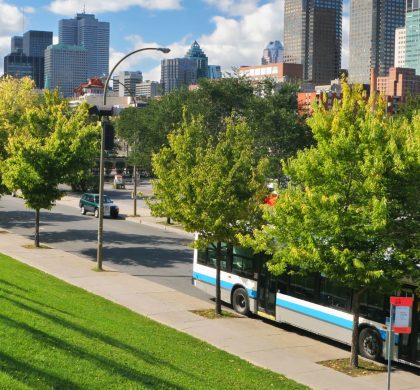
[{"x": 263, "y": 344}]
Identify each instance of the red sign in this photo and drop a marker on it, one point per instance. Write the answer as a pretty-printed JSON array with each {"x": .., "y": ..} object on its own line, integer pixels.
[
  {"x": 401, "y": 321},
  {"x": 402, "y": 301}
]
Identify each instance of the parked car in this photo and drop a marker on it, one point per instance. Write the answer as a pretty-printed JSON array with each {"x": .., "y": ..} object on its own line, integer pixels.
[{"x": 90, "y": 203}]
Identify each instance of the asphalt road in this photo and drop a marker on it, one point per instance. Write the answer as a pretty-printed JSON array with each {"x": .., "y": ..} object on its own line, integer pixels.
[{"x": 155, "y": 254}]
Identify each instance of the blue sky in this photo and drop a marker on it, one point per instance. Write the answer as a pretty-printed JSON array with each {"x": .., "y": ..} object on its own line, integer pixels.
[{"x": 231, "y": 32}]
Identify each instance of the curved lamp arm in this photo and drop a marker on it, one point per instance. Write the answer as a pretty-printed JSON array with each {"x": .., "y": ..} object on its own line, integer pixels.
[{"x": 162, "y": 49}]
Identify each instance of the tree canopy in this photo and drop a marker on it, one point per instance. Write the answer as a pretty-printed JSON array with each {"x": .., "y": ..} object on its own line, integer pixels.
[
  {"x": 350, "y": 210},
  {"x": 53, "y": 144}
]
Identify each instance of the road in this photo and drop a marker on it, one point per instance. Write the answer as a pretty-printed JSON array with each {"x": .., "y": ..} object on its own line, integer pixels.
[{"x": 140, "y": 250}]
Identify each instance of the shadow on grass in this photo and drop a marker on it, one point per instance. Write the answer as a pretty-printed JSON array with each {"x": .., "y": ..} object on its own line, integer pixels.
[
  {"x": 32, "y": 376},
  {"x": 42, "y": 304},
  {"x": 137, "y": 353},
  {"x": 105, "y": 363},
  {"x": 5, "y": 282}
]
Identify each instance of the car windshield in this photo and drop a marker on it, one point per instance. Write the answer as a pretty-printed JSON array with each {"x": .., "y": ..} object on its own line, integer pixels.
[{"x": 107, "y": 199}]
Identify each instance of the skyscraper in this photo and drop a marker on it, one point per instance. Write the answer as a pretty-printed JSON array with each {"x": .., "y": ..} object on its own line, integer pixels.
[
  {"x": 313, "y": 36},
  {"x": 65, "y": 67},
  {"x": 412, "y": 25},
  {"x": 372, "y": 37},
  {"x": 177, "y": 72},
  {"x": 273, "y": 53},
  {"x": 399, "y": 56},
  {"x": 87, "y": 31},
  {"x": 16, "y": 45},
  {"x": 196, "y": 54},
  {"x": 27, "y": 56},
  {"x": 129, "y": 80}
]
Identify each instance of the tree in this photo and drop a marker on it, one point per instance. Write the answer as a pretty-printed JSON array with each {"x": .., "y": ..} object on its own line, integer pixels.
[
  {"x": 53, "y": 144},
  {"x": 15, "y": 96},
  {"x": 351, "y": 209},
  {"x": 210, "y": 185},
  {"x": 270, "y": 111}
]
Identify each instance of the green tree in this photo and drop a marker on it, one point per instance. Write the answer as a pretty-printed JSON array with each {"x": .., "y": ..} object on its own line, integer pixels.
[
  {"x": 52, "y": 145},
  {"x": 351, "y": 209},
  {"x": 210, "y": 185},
  {"x": 15, "y": 96},
  {"x": 270, "y": 111}
]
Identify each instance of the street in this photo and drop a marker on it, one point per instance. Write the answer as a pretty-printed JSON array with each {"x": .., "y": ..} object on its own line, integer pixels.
[{"x": 139, "y": 250}]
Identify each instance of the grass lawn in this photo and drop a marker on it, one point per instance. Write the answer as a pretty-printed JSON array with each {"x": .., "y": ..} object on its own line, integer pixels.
[{"x": 56, "y": 336}]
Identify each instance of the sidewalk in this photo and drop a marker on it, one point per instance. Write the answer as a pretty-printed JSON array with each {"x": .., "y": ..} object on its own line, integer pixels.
[{"x": 265, "y": 345}]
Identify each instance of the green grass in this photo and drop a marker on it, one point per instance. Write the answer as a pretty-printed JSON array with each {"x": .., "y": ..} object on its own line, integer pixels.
[{"x": 56, "y": 336}]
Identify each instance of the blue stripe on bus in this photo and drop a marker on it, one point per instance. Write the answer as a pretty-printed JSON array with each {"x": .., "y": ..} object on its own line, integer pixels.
[
  {"x": 315, "y": 313},
  {"x": 226, "y": 285}
]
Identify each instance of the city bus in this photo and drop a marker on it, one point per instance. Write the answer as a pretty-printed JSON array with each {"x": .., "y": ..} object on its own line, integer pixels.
[{"x": 312, "y": 302}]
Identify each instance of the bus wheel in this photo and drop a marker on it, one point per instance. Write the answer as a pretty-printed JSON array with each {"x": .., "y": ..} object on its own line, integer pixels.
[
  {"x": 240, "y": 301},
  {"x": 370, "y": 345}
]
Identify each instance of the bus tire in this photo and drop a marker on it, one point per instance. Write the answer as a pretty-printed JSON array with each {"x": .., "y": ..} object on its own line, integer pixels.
[
  {"x": 370, "y": 344},
  {"x": 240, "y": 301}
]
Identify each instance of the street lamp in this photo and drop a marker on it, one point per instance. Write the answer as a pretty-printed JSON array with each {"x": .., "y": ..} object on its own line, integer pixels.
[
  {"x": 99, "y": 255},
  {"x": 134, "y": 165}
]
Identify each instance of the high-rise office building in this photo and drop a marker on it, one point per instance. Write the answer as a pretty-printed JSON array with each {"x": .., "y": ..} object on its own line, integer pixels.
[
  {"x": 399, "y": 56},
  {"x": 197, "y": 54},
  {"x": 148, "y": 89},
  {"x": 177, "y": 72},
  {"x": 313, "y": 37},
  {"x": 27, "y": 56},
  {"x": 129, "y": 80},
  {"x": 87, "y": 31},
  {"x": 372, "y": 37},
  {"x": 65, "y": 68},
  {"x": 273, "y": 53},
  {"x": 35, "y": 42},
  {"x": 412, "y": 25},
  {"x": 16, "y": 45},
  {"x": 215, "y": 72}
]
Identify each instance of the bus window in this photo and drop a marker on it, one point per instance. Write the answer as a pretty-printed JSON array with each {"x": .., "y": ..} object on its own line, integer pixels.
[
  {"x": 372, "y": 306},
  {"x": 303, "y": 287},
  {"x": 334, "y": 295},
  {"x": 212, "y": 255},
  {"x": 242, "y": 262}
]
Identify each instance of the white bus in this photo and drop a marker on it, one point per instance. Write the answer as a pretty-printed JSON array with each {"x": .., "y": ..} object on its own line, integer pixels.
[{"x": 312, "y": 302}]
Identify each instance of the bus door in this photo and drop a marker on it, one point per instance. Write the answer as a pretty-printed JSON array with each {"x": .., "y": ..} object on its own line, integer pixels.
[
  {"x": 266, "y": 294},
  {"x": 409, "y": 344}
]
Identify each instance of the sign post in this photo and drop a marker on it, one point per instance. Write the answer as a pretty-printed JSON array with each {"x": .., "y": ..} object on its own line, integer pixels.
[{"x": 399, "y": 322}]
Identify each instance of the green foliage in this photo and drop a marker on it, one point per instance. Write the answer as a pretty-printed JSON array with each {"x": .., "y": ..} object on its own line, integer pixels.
[
  {"x": 351, "y": 209},
  {"x": 271, "y": 113},
  {"x": 53, "y": 145},
  {"x": 16, "y": 95},
  {"x": 211, "y": 185},
  {"x": 56, "y": 336}
]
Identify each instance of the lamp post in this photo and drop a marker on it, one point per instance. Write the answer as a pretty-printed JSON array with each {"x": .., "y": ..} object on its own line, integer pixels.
[
  {"x": 134, "y": 165},
  {"x": 99, "y": 255}
]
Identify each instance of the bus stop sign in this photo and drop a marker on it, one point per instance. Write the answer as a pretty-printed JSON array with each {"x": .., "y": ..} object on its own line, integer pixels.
[{"x": 401, "y": 321}]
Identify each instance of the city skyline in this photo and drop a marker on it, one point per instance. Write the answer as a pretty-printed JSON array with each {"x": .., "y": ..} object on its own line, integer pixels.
[{"x": 218, "y": 26}]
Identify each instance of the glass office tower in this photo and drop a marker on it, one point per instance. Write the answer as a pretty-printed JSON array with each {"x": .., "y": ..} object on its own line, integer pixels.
[
  {"x": 313, "y": 37},
  {"x": 412, "y": 46},
  {"x": 372, "y": 37}
]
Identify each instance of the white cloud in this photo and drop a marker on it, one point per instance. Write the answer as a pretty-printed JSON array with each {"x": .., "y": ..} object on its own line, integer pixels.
[
  {"x": 235, "y": 7},
  {"x": 11, "y": 18},
  {"x": 241, "y": 41},
  {"x": 71, "y": 7},
  {"x": 4, "y": 50}
]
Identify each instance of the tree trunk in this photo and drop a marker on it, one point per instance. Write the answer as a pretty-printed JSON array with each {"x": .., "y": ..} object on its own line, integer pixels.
[
  {"x": 218, "y": 294},
  {"x": 354, "y": 362},
  {"x": 135, "y": 191},
  {"x": 36, "y": 241}
]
